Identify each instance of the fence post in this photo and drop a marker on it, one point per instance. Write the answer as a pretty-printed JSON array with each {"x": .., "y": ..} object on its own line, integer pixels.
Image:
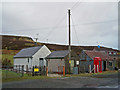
[
  {"x": 22, "y": 70},
  {"x": 33, "y": 71},
  {"x": 6, "y": 71},
  {"x": 63, "y": 71},
  {"x": 16, "y": 68},
  {"x": 94, "y": 69},
  {"x": 19, "y": 68},
  {"x": 26, "y": 68},
  {"x": 89, "y": 68},
  {"x": 46, "y": 71},
  {"x": 39, "y": 70}
]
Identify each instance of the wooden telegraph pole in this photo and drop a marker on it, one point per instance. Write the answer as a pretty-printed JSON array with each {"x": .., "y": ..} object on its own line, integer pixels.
[{"x": 69, "y": 35}]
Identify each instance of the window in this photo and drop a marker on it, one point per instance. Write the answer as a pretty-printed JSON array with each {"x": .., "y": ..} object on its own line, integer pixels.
[
  {"x": 110, "y": 53},
  {"x": 114, "y": 53},
  {"x": 41, "y": 59},
  {"x": 110, "y": 63},
  {"x": 28, "y": 60}
]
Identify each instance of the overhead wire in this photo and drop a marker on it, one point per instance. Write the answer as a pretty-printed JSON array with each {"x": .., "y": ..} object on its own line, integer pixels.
[
  {"x": 49, "y": 33},
  {"x": 75, "y": 30},
  {"x": 73, "y": 7},
  {"x": 63, "y": 26}
]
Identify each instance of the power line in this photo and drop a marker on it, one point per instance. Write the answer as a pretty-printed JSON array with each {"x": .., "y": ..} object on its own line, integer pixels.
[
  {"x": 36, "y": 29},
  {"x": 96, "y": 22},
  {"x": 46, "y": 28},
  {"x": 75, "y": 29},
  {"x": 49, "y": 33},
  {"x": 61, "y": 19},
  {"x": 76, "y": 5}
]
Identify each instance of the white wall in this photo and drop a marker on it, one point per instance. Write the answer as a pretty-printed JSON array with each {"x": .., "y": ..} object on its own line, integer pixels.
[
  {"x": 22, "y": 61},
  {"x": 42, "y": 53}
]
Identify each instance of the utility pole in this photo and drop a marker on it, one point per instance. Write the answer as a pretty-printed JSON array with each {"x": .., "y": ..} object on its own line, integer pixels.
[
  {"x": 47, "y": 40},
  {"x": 69, "y": 35},
  {"x": 36, "y": 39}
]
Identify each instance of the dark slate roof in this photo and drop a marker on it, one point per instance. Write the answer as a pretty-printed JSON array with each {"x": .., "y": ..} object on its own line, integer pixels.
[
  {"x": 27, "y": 52},
  {"x": 58, "y": 54},
  {"x": 101, "y": 54}
]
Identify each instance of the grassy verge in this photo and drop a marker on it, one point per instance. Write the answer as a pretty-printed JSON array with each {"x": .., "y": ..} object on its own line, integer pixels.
[
  {"x": 8, "y": 76},
  {"x": 93, "y": 74},
  {"x": 26, "y": 77}
]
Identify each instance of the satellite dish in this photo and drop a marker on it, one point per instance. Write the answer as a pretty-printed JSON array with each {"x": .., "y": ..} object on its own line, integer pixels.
[{"x": 98, "y": 46}]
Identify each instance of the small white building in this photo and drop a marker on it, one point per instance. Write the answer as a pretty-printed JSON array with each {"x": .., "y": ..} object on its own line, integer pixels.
[{"x": 33, "y": 56}]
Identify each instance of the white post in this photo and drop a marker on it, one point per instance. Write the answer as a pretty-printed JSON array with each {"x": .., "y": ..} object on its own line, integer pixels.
[
  {"x": 94, "y": 69},
  {"x": 89, "y": 68},
  {"x": 97, "y": 69}
]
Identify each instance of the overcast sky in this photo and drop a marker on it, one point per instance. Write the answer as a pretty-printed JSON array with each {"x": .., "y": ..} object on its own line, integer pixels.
[{"x": 92, "y": 23}]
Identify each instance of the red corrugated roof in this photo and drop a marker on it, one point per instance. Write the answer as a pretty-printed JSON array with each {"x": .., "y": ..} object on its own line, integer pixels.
[{"x": 100, "y": 54}]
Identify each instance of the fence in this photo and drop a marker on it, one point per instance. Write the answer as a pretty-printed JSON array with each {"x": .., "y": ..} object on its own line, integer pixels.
[
  {"x": 36, "y": 70},
  {"x": 19, "y": 71},
  {"x": 10, "y": 72}
]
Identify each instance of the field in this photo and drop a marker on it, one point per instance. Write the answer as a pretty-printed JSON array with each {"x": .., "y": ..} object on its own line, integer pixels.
[{"x": 8, "y": 54}]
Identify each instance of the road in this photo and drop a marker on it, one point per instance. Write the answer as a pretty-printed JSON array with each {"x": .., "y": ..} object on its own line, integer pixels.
[{"x": 66, "y": 82}]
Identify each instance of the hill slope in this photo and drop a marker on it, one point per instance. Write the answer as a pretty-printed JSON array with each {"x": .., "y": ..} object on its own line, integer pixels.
[{"x": 20, "y": 42}]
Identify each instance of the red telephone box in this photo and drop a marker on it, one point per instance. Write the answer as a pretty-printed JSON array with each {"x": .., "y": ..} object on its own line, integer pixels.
[{"x": 97, "y": 64}]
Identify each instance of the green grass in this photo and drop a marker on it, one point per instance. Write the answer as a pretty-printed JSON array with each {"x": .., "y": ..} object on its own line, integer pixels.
[
  {"x": 93, "y": 74},
  {"x": 16, "y": 77},
  {"x": 26, "y": 76},
  {"x": 9, "y": 74},
  {"x": 8, "y": 56}
]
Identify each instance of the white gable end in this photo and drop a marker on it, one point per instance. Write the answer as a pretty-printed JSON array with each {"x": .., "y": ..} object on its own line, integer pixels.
[{"x": 41, "y": 53}]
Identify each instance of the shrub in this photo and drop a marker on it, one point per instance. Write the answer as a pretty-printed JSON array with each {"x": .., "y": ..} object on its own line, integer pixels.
[{"x": 6, "y": 63}]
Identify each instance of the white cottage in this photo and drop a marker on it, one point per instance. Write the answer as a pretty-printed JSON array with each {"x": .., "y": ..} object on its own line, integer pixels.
[{"x": 33, "y": 56}]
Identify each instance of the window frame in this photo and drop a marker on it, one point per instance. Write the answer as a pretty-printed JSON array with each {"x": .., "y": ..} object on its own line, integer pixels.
[{"x": 111, "y": 63}]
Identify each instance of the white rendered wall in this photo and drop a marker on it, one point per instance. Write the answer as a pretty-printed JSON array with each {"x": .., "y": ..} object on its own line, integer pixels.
[{"x": 42, "y": 53}]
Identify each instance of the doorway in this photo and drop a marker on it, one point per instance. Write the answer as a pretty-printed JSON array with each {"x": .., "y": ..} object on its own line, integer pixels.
[{"x": 104, "y": 65}]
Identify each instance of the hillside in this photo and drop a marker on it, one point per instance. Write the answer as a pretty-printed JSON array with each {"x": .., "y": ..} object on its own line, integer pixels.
[
  {"x": 11, "y": 45},
  {"x": 16, "y": 42},
  {"x": 20, "y": 42}
]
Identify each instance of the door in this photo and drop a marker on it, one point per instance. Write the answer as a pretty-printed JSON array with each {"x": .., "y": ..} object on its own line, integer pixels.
[
  {"x": 104, "y": 65},
  {"x": 41, "y": 62}
]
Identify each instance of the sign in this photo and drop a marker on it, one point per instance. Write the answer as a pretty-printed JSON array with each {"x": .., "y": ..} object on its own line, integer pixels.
[
  {"x": 98, "y": 46},
  {"x": 77, "y": 62},
  {"x": 36, "y": 70},
  {"x": 69, "y": 61}
]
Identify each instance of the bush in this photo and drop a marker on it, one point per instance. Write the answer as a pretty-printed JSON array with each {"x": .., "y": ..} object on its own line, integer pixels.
[{"x": 6, "y": 63}]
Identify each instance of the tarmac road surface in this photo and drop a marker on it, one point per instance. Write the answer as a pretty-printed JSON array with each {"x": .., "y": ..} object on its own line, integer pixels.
[{"x": 66, "y": 82}]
